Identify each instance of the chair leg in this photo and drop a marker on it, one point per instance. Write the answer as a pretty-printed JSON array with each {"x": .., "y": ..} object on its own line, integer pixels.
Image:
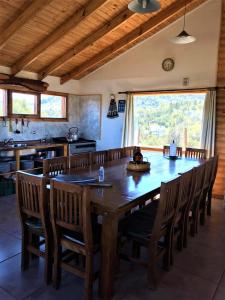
[
  {"x": 209, "y": 204},
  {"x": 25, "y": 256},
  {"x": 89, "y": 277},
  {"x": 56, "y": 278},
  {"x": 48, "y": 261},
  {"x": 152, "y": 273}
]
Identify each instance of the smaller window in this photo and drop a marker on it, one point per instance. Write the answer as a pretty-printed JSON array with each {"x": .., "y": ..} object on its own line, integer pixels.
[
  {"x": 3, "y": 101},
  {"x": 24, "y": 104},
  {"x": 53, "y": 106}
]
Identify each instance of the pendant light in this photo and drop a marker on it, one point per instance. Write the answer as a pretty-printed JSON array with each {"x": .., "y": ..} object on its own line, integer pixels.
[
  {"x": 184, "y": 37},
  {"x": 144, "y": 6}
]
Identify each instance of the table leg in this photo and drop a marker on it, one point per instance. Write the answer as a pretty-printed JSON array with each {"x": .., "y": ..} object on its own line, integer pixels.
[{"x": 108, "y": 255}]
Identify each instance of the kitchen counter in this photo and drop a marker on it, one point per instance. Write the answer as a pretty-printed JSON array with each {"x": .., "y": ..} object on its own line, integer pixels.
[{"x": 26, "y": 146}]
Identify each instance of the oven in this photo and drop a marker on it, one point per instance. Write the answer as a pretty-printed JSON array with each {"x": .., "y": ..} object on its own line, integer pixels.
[{"x": 79, "y": 146}]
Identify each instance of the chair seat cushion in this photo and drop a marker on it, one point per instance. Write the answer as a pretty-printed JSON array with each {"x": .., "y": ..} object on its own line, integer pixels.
[
  {"x": 78, "y": 238},
  {"x": 139, "y": 224},
  {"x": 34, "y": 224}
]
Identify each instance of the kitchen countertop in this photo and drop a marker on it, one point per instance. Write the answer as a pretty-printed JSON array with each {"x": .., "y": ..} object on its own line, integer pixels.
[{"x": 33, "y": 146}]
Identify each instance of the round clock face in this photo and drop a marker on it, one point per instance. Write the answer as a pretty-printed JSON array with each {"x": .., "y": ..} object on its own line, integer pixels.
[{"x": 168, "y": 64}]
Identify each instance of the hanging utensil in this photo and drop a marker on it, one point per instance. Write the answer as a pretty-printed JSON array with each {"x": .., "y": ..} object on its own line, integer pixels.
[
  {"x": 22, "y": 125},
  {"x": 17, "y": 130}
]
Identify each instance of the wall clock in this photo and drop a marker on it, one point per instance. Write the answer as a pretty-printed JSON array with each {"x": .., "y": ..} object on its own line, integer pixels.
[{"x": 168, "y": 64}]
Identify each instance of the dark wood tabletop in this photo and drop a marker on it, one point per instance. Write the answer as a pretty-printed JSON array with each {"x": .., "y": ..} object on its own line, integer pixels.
[
  {"x": 127, "y": 191},
  {"x": 129, "y": 186}
]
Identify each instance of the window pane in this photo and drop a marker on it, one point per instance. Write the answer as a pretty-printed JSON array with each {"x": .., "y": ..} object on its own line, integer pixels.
[
  {"x": 2, "y": 103},
  {"x": 53, "y": 106},
  {"x": 160, "y": 118},
  {"x": 24, "y": 104}
]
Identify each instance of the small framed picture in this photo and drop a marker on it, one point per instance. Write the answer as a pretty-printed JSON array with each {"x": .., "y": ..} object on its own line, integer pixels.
[{"x": 121, "y": 106}]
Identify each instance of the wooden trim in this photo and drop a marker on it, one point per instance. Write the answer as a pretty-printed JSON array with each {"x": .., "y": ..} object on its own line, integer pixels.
[
  {"x": 173, "y": 91},
  {"x": 161, "y": 18},
  {"x": 57, "y": 34},
  {"x": 29, "y": 9},
  {"x": 92, "y": 38}
]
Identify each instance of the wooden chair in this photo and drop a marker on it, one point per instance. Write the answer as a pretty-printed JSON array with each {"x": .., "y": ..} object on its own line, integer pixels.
[
  {"x": 212, "y": 180},
  {"x": 209, "y": 165},
  {"x": 80, "y": 161},
  {"x": 152, "y": 227},
  {"x": 166, "y": 151},
  {"x": 55, "y": 166},
  {"x": 195, "y": 153},
  {"x": 73, "y": 231},
  {"x": 196, "y": 199},
  {"x": 32, "y": 206},
  {"x": 181, "y": 221},
  {"x": 114, "y": 154},
  {"x": 129, "y": 151},
  {"x": 98, "y": 157}
]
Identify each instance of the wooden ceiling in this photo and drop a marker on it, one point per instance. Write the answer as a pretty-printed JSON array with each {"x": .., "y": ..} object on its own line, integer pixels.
[{"x": 72, "y": 38}]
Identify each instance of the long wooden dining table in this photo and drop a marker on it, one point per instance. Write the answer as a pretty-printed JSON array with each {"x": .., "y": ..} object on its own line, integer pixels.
[{"x": 128, "y": 190}]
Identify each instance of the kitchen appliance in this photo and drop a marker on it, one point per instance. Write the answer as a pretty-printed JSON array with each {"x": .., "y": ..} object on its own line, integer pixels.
[
  {"x": 79, "y": 146},
  {"x": 73, "y": 134}
]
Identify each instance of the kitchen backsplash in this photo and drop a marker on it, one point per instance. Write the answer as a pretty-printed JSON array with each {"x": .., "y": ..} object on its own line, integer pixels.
[{"x": 86, "y": 119}]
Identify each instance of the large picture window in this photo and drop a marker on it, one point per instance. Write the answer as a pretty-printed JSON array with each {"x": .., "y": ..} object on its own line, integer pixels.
[{"x": 163, "y": 117}]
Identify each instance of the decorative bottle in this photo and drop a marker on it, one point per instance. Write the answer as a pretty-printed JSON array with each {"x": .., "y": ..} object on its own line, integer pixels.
[
  {"x": 173, "y": 149},
  {"x": 101, "y": 174}
]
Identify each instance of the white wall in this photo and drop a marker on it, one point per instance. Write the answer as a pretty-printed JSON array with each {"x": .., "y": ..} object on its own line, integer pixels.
[{"x": 140, "y": 67}]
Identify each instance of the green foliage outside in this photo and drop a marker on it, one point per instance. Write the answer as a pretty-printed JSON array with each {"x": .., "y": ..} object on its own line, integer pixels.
[
  {"x": 24, "y": 104},
  {"x": 51, "y": 106},
  {"x": 161, "y": 118}
]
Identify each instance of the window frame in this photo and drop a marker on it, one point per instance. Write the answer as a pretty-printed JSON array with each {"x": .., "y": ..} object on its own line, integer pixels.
[
  {"x": 5, "y": 105},
  {"x": 186, "y": 91},
  {"x": 37, "y": 117},
  {"x": 27, "y": 116},
  {"x": 66, "y": 109}
]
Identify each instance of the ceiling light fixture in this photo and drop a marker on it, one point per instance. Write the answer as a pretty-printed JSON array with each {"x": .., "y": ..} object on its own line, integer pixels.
[
  {"x": 184, "y": 37},
  {"x": 144, "y": 6}
]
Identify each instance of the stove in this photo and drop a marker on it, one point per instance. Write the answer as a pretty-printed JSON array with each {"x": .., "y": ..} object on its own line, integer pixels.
[{"x": 79, "y": 146}]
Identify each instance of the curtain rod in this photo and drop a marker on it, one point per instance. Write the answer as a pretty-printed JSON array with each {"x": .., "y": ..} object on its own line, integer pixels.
[{"x": 172, "y": 90}]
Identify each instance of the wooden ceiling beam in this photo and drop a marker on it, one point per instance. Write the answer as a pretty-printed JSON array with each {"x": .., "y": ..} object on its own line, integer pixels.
[
  {"x": 161, "y": 18},
  {"x": 27, "y": 11},
  {"x": 58, "y": 33},
  {"x": 93, "y": 37}
]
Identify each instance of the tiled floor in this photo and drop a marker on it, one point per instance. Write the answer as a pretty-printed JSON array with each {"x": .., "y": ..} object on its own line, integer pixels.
[{"x": 198, "y": 273}]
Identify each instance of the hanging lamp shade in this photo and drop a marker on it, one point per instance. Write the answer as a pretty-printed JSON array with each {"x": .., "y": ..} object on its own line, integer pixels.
[
  {"x": 183, "y": 38},
  {"x": 144, "y": 6}
]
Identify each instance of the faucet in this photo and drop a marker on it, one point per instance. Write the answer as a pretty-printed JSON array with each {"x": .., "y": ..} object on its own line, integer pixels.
[{"x": 8, "y": 141}]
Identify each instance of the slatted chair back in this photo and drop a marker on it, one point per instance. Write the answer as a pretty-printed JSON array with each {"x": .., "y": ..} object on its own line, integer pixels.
[
  {"x": 129, "y": 151},
  {"x": 199, "y": 181},
  {"x": 114, "y": 154},
  {"x": 212, "y": 181},
  {"x": 195, "y": 153},
  {"x": 71, "y": 209},
  {"x": 31, "y": 195},
  {"x": 34, "y": 217},
  {"x": 98, "y": 157},
  {"x": 166, "y": 151},
  {"x": 214, "y": 170},
  {"x": 55, "y": 166},
  {"x": 168, "y": 205},
  {"x": 80, "y": 161},
  {"x": 186, "y": 193}
]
